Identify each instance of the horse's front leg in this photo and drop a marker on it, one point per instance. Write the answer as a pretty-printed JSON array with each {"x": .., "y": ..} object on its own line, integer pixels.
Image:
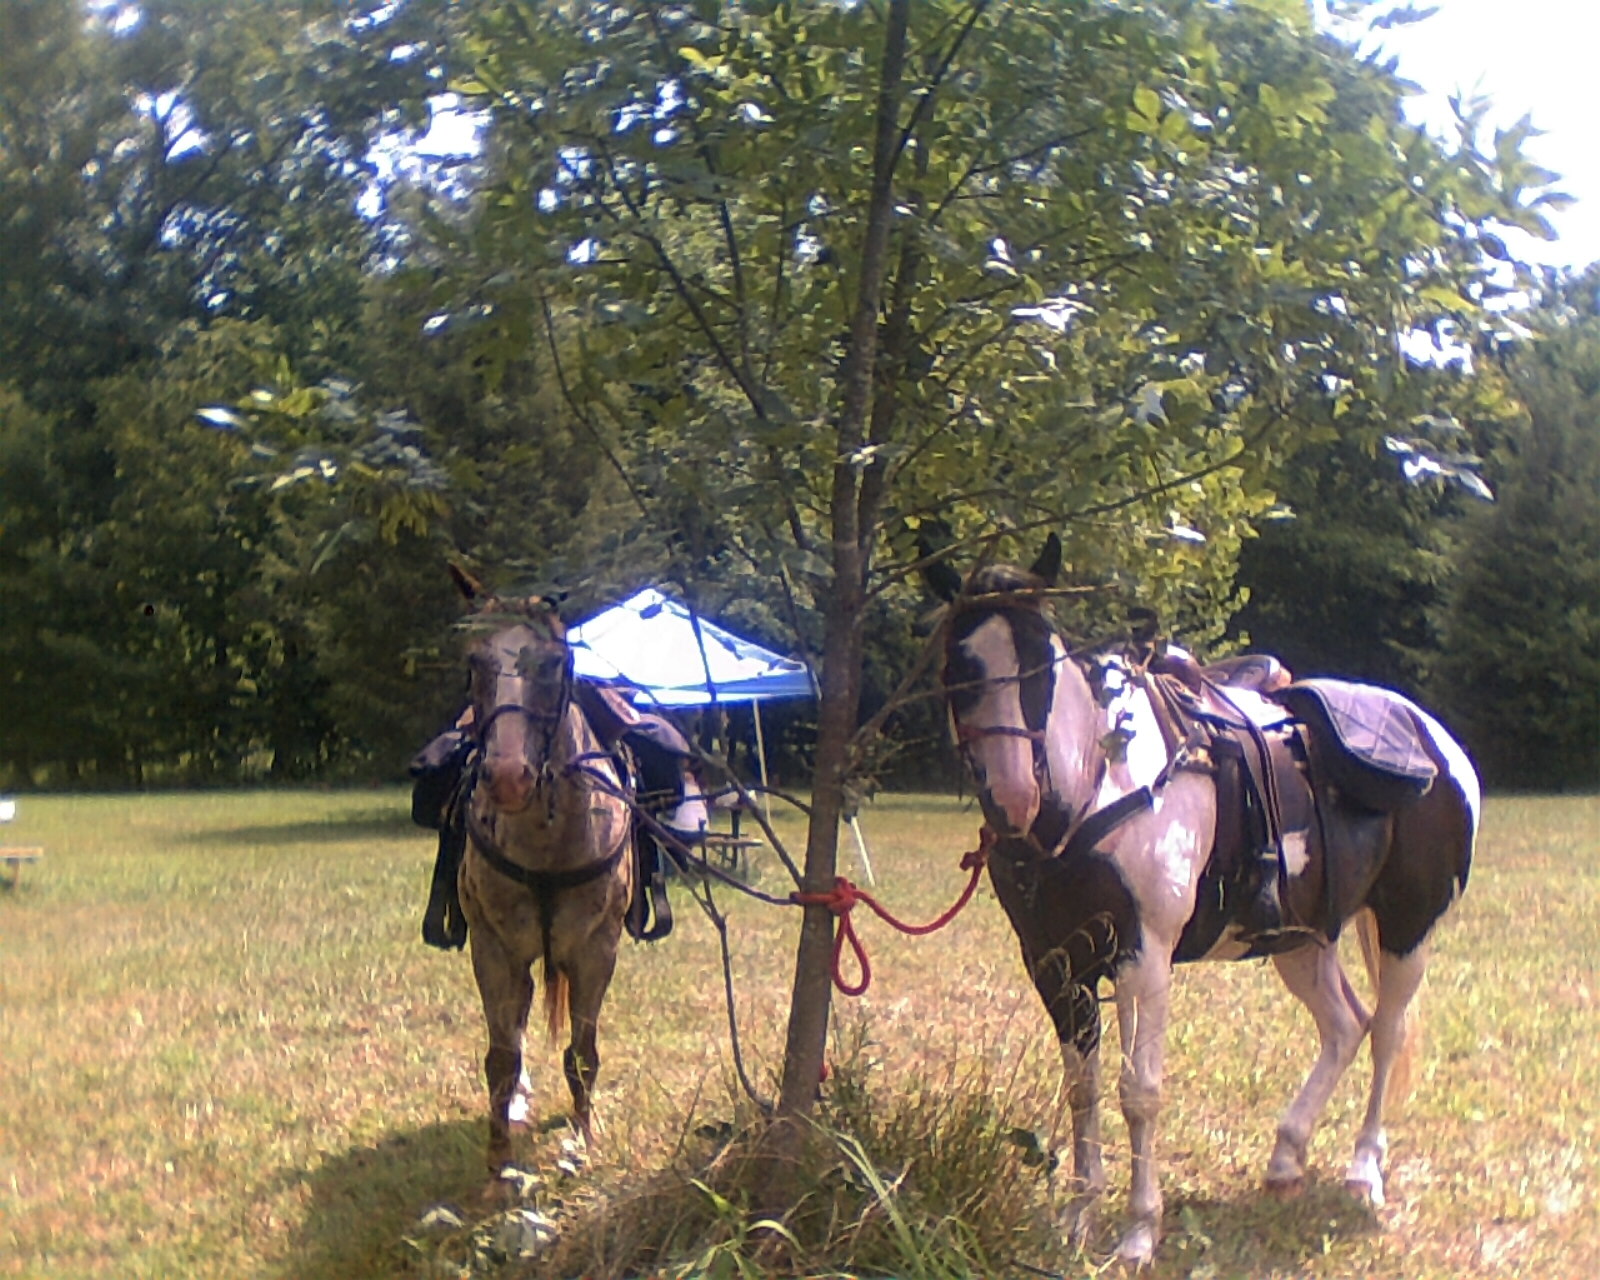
[
  {"x": 1081, "y": 1071},
  {"x": 505, "y": 985},
  {"x": 1076, "y": 1014},
  {"x": 588, "y": 977},
  {"x": 1143, "y": 992}
]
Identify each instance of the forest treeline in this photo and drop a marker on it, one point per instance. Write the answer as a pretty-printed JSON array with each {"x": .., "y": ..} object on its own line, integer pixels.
[{"x": 1173, "y": 279}]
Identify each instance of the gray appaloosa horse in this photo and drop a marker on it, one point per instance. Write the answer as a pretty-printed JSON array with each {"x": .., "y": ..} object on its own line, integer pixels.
[
  {"x": 1110, "y": 814},
  {"x": 547, "y": 874}
]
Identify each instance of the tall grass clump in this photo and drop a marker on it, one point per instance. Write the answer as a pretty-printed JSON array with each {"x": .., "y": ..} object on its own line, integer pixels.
[{"x": 920, "y": 1178}]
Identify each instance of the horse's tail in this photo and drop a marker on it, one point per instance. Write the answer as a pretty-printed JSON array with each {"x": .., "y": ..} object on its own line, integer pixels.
[
  {"x": 1403, "y": 1073},
  {"x": 555, "y": 999}
]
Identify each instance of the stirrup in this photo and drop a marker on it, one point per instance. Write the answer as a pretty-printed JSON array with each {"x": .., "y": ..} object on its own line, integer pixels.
[
  {"x": 446, "y": 929},
  {"x": 1265, "y": 916}
]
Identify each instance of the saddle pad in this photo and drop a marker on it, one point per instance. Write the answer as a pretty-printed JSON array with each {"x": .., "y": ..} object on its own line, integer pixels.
[{"x": 1375, "y": 725}]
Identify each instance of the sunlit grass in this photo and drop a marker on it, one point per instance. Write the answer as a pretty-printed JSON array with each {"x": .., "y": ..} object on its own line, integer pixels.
[{"x": 226, "y": 1051}]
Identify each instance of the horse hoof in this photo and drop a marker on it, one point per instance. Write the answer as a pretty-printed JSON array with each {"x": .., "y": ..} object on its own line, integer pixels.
[
  {"x": 1285, "y": 1188},
  {"x": 1078, "y": 1220},
  {"x": 1368, "y": 1193},
  {"x": 1138, "y": 1248}
]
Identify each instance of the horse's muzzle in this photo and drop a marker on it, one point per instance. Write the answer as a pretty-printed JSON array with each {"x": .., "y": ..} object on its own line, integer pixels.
[
  {"x": 1009, "y": 804},
  {"x": 509, "y": 784}
]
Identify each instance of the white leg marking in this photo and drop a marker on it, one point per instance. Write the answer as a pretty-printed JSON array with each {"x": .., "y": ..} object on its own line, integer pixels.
[
  {"x": 517, "y": 1112},
  {"x": 1143, "y": 991},
  {"x": 1399, "y": 977},
  {"x": 1081, "y": 1077}
]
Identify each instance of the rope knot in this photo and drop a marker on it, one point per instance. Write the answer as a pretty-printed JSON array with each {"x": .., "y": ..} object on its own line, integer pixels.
[
  {"x": 977, "y": 859},
  {"x": 841, "y": 900}
]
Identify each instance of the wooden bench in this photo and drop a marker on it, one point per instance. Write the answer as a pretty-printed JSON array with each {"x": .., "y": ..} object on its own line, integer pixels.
[
  {"x": 731, "y": 850},
  {"x": 15, "y": 855}
]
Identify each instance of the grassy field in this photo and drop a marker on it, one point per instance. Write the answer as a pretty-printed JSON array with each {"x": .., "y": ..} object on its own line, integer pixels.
[{"x": 227, "y": 1053}]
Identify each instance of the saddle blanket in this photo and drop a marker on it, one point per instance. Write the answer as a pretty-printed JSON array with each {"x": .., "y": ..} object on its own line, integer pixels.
[{"x": 1376, "y": 726}]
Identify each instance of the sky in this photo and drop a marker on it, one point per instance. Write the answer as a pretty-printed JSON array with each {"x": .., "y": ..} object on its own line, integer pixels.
[{"x": 1530, "y": 57}]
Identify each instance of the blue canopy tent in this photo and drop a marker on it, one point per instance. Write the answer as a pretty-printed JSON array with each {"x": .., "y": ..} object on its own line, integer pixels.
[
  {"x": 673, "y": 660},
  {"x": 654, "y": 645}
]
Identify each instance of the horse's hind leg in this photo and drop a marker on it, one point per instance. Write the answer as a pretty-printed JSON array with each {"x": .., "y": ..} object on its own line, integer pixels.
[
  {"x": 1399, "y": 978},
  {"x": 1316, "y": 978},
  {"x": 506, "y": 989}
]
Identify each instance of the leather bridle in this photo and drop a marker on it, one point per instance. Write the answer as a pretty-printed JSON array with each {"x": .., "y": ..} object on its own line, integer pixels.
[
  {"x": 547, "y": 723},
  {"x": 968, "y": 735}
]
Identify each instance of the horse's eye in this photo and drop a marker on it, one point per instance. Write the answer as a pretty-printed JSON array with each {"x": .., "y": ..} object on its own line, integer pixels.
[{"x": 541, "y": 666}]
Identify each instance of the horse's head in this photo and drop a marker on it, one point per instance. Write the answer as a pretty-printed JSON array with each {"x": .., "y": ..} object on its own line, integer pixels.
[
  {"x": 1001, "y": 659},
  {"x": 521, "y": 671}
]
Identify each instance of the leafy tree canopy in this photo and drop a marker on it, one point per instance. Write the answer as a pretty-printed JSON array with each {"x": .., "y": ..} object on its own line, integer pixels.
[
  {"x": 1139, "y": 254},
  {"x": 1520, "y": 655}
]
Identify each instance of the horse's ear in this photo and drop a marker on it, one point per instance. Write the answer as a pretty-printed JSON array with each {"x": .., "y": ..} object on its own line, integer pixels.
[
  {"x": 549, "y": 609},
  {"x": 1144, "y": 626},
  {"x": 470, "y": 588},
  {"x": 942, "y": 580},
  {"x": 1048, "y": 566}
]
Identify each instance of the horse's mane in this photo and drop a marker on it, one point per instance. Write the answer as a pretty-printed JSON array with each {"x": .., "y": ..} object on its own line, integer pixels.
[{"x": 994, "y": 579}]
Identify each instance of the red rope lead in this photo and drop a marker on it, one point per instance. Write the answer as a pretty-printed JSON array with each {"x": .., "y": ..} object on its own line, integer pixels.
[{"x": 844, "y": 896}]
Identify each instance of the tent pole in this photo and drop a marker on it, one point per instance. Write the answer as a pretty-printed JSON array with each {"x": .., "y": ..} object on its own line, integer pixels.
[
  {"x": 761, "y": 760},
  {"x": 861, "y": 848}
]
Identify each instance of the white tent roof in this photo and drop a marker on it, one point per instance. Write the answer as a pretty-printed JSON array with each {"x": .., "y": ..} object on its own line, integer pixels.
[{"x": 649, "y": 641}]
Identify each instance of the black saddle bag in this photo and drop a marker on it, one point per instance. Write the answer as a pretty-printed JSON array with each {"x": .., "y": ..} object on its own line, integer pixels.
[{"x": 434, "y": 771}]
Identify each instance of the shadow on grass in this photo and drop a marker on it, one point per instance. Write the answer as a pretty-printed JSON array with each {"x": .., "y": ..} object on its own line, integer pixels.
[
  {"x": 362, "y": 1203},
  {"x": 1257, "y": 1234},
  {"x": 368, "y": 824}
]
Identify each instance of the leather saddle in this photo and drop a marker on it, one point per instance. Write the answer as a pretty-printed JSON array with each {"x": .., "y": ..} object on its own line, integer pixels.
[
  {"x": 1364, "y": 739},
  {"x": 1253, "y": 753}
]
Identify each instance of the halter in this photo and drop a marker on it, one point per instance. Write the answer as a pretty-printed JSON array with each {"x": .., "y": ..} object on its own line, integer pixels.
[
  {"x": 548, "y": 721},
  {"x": 481, "y": 732},
  {"x": 542, "y": 883},
  {"x": 546, "y": 724}
]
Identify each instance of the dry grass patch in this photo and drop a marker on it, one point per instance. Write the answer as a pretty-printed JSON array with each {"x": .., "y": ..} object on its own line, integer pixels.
[{"x": 228, "y": 1054}]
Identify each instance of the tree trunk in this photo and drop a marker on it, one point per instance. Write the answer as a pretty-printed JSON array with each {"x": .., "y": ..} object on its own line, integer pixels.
[{"x": 842, "y": 634}]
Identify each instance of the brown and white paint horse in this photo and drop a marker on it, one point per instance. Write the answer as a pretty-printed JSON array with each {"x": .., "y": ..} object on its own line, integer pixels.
[
  {"x": 1034, "y": 730},
  {"x": 546, "y": 874}
]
